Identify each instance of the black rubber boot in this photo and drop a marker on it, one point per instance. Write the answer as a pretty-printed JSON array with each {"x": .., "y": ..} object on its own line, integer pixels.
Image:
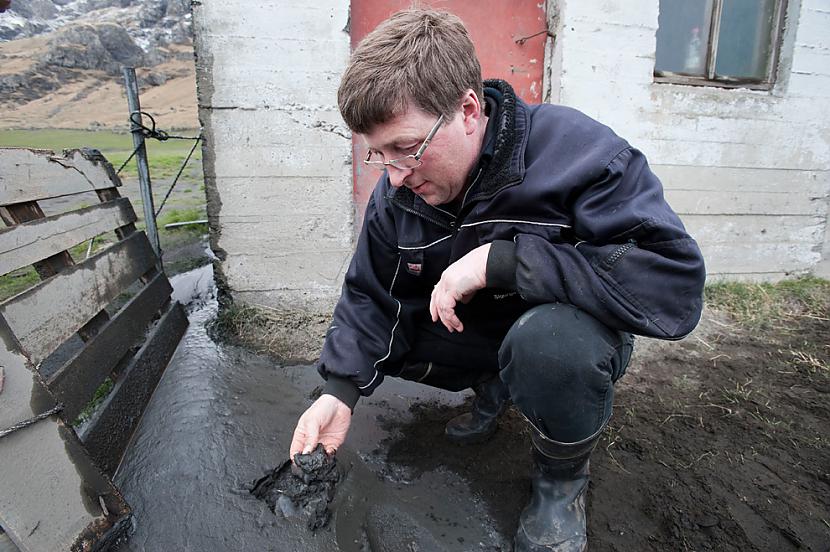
[
  {"x": 481, "y": 422},
  {"x": 555, "y": 519}
]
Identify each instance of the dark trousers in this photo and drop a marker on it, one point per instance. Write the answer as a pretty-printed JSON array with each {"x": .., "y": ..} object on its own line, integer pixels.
[{"x": 559, "y": 364}]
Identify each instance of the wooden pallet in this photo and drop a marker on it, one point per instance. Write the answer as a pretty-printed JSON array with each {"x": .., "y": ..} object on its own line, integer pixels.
[{"x": 56, "y": 491}]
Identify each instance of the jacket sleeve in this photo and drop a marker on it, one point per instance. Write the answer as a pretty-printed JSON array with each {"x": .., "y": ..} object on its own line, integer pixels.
[
  {"x": 632, "y": 265},
  {"x": 366, "y": 329}
]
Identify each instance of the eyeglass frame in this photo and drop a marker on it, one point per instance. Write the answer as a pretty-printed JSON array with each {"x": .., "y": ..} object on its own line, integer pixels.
[{"x": 380, "y": 165}]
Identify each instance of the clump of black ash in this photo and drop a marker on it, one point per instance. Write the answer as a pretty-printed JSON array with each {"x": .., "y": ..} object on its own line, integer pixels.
[{"x": 302, "y": 489}]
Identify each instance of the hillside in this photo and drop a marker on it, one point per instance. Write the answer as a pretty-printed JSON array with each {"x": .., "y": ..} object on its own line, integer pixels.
[{"x": 60, "y": 63}]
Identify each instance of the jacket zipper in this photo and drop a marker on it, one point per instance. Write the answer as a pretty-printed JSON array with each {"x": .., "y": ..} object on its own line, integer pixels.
[{"x": 619, "y": 252}]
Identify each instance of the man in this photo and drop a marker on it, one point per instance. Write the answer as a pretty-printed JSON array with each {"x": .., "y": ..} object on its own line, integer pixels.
[{"x": 509, "y": 248}]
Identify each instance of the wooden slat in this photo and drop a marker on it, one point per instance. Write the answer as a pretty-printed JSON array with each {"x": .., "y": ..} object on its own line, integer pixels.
[
  {"x": 112, "y": 194},
  {"x": 20, "y": 213},
  {"x": 26, "y": 212},
  {"x": 47, "y": 314},
  {"x": 49, "y": 489},
  {"x": 32, "y": 175},
  {"x": 39, "y": 239},
  {"x": 110, "y": 431},
  {"x": 75, "y": 382}
]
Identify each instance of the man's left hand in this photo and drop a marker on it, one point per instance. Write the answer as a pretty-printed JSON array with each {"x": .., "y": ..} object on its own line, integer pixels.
[{"x": 458, "y": 283}]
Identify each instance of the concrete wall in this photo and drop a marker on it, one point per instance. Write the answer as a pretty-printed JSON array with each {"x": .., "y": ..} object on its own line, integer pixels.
[
  {"x": 746, "y": 170},
  {"x": 276, "y": 153}
]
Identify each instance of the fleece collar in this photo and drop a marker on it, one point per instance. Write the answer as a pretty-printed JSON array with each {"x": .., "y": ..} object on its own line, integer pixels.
[{"x": 504, "y": 168}]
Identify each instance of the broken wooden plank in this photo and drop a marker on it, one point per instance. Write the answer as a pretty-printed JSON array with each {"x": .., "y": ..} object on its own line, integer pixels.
[
  {"x": 50, "y": 492},
  {"x": 76, "y": 382},
  {"x": 33, "y": 241},
  {"x": 75, "y": 296},
  {"x": 32, "y": 175},
  {"x": 110, "y": 430}
]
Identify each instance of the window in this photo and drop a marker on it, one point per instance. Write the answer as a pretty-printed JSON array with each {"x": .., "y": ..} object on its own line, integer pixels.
[{"x": 719, "y": 42}]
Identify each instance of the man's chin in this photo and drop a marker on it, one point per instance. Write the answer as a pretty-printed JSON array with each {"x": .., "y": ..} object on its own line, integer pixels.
[{"x": 430, "y": 199}]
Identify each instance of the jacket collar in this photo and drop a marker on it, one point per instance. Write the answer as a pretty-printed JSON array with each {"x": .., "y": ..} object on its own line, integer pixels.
[{"x": 505, "y": 167}]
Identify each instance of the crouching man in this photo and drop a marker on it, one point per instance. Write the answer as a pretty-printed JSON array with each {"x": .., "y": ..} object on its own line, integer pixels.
[{"x": 509, "y": 248}]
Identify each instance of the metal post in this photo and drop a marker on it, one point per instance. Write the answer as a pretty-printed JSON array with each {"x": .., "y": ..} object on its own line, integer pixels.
[{"x": 131, "y": 85}]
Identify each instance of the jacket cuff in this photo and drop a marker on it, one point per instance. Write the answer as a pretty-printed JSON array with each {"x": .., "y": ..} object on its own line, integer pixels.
[
  {"x": 501, "y": 265},
  {"x": 343, "y": 389}
]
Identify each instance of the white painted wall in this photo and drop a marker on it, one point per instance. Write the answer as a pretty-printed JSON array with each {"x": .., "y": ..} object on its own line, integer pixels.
[
  {"x": 277, "y": 156},
  {"x": 746, "y": 170}
]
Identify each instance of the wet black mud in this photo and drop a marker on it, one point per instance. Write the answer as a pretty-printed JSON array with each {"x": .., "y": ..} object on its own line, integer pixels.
[
  {"x": 302, "y": 488},
  {"x": 222, "y": 417}
]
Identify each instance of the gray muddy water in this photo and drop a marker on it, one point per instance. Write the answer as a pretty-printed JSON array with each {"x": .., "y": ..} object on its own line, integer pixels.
[{"x": 222, "y": 417}]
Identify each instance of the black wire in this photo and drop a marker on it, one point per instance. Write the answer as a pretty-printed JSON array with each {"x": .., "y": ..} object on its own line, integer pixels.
[
  {"x": 181, "y": 169},
  {"x": 124, "y": 164},
  {"x": 151, "y": 132}
]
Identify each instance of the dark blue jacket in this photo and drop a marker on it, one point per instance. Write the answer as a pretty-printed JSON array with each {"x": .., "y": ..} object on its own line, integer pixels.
[{"x": 574, "y": 214}]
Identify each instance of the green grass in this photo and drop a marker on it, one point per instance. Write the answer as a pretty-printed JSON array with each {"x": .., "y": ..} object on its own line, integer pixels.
[
  {"x": 170, "y": 216},
  {"x": 757, "y": 305},
  {"x": 16, "y": 281},
  {"x": 164, "y": 158},
  {"x": 99, "y": 396}
]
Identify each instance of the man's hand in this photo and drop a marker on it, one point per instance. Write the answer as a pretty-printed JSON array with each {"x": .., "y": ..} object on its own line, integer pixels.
[
  {"x": 458, "y": 283},
  {"x": 326, "y": 421}
]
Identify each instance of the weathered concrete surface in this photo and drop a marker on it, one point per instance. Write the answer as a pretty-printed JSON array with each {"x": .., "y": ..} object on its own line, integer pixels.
[
  {"x": 223, "y": 417},
  {"x": 277, "y": 157},
  {"x": 748, "y": 171}
]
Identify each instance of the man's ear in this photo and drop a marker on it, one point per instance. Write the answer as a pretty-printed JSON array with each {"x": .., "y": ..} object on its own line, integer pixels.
[{"x": 471, "y": 111}]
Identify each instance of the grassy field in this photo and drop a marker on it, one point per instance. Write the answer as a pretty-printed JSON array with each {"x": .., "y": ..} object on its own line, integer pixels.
[
  {"x": 165, "y": 157},
  {"x": 186, "y": 202}
]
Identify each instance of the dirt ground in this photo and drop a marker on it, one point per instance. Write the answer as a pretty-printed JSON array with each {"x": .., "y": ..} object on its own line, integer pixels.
[{"x": 718, "y": 442}]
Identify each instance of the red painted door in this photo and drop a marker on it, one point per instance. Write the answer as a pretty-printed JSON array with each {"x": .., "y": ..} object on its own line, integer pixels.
[{"x": 509, "y": 36}]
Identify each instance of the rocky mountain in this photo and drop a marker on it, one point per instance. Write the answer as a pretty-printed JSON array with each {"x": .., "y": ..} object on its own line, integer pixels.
[
  {"x": 57, "y": 49},
  {"x": 149, "y": 22}
]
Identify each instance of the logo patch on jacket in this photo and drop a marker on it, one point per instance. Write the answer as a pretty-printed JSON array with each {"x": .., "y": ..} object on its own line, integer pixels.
[{"x": 414, "y": 268}]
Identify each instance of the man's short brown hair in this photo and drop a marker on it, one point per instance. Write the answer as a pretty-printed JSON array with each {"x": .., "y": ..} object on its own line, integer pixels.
[{"x": 420, "y": 56}]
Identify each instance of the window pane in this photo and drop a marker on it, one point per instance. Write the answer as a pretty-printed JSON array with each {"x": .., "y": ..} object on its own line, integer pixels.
[
  {"x": 745, "y": 38},
  {"x": 683, "y": 36}
]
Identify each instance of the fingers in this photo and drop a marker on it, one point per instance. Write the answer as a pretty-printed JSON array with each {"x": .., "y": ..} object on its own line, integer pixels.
[
  {"x": 433, "y": 305},
  {"x": 442, "y": 307},
  {"x": 305, "y": 437},
  {"x": 326, "y": 421},
  {"x": 297, "y": 443},
  {"x": 311, "y": 440}
]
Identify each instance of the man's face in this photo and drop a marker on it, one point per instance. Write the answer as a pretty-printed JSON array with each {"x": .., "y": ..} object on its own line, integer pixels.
[{"x": 447, "y": 160}]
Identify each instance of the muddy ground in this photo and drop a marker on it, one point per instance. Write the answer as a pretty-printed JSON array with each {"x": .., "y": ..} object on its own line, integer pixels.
[{"x": 718, "y": 442}]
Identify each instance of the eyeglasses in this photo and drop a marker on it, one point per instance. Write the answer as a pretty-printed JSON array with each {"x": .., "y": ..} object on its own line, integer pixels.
[{"x": 411, "y": 161}]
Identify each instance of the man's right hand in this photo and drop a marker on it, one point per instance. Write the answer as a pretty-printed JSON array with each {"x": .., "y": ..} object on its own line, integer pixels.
[{"x": 326, "y": 421}]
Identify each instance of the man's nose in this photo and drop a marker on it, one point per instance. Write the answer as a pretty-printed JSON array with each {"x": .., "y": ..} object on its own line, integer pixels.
[{"x": 396, "y": 175}]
